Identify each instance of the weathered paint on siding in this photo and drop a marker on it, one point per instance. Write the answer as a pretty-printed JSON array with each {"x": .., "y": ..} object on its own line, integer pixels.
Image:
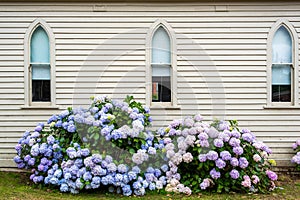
[{"x": 221, "y": 63}]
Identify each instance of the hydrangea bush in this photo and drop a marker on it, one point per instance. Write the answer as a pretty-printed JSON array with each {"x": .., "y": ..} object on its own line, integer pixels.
[
  {"x": 217, "y": 157},
  {"x": 296, "y": 158},
  {"x": 104, "y": 146},
  {"x": 109, "y": 147}
]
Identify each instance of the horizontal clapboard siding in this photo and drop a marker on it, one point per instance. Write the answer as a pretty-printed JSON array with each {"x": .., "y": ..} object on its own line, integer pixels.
[{"x": 221, "y": 63}]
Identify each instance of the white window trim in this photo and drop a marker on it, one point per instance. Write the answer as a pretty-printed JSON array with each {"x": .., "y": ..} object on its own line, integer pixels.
[
  {"x": 294, "y": 90},
  {"x": 27, "y": 74},
  {"x": 157, "y": 105}
]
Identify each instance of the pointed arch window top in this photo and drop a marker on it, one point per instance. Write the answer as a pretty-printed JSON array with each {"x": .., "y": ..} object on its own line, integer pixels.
[
  {"x": 39, "y": 46},
  {"x": 161, "y": 47},
  {"x": 282, "y": 46}
]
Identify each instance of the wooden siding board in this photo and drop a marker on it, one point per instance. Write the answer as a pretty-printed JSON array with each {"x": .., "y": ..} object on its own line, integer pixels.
[{"x": 219, "y": 54}]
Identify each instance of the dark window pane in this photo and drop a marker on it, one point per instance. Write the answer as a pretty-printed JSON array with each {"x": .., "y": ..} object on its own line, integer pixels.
[
  {"x": 281, "y": 93},
  {"x": 41, "y": 90},
  {"x": 161, "y": 91}
]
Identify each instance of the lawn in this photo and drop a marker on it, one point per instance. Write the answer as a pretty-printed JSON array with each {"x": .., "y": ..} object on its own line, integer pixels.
[{"x": 14, "y": 185}]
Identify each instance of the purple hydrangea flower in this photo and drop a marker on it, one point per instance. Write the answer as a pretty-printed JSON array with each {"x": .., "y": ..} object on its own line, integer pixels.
[
  {"x": 31, "y": 161},
  {"x": 272, "y": 175},
  {"x": 225, "y": 155},
  {"x": 248, "y": 137},
  {"x": 234, "y": 162},
  {"x": 294, "y": 146},
  {"x": 202, "y": 157},
  {"x": 243, "y": 162},
  {"x": 204, "y": 143},
  {"x": 224, "y": 137},
  {"x": 220, "y": 163},
  {"x": 188, "y": 122},
  {"x": 212, "y": 155},
  {"x": 235, "y": 134},
  {"x": 205, "y": 184},
  {"x": 215, "y": 174},
  {"x": 223, "y": 125},
  {"x": 234, "y": 142},
  {"x": 296, "y": 158},
  {"x": 198, "y": 118},
  {"x": 234, "y": 174},
  {"x": 238, "y": 150},
  {"x": 203, "y": 136},
  {"x": 44, "y": 161},
  {"x": 218, "y": 143},
  {"x": 21, "y": 165},
  {"x": 27, "y": 158}
]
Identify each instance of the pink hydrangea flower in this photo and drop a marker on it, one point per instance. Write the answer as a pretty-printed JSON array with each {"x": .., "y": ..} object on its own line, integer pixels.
[
  {"x": 256, "y": 158},
  {"x": 255, "y": 179},
  {"x": 247, "y": 181}
]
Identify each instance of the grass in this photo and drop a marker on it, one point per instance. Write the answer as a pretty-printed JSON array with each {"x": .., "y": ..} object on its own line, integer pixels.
[{"x": 16, "y": 186}]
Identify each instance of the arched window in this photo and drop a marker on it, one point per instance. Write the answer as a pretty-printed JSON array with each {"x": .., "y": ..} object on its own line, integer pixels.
[
  {"x": 282, "y": 65},
  {"x": 161, "y": 66},
  {"x": 39, "y": 69},
  {"x": 40, "y": 66}
]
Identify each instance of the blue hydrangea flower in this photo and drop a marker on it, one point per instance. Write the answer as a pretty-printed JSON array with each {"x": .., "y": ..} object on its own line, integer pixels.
[
  {"x": 122, "y": 168},
  {"x": 64, "y": 187}
]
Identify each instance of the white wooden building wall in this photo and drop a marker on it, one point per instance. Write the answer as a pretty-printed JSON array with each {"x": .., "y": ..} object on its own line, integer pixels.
[{"x": 100, "y": 49}]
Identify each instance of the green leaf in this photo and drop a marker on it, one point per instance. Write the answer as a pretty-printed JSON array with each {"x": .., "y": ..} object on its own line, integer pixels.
[
  {"x": 194, "y": 183},
  {"x": 131, "y": 151},
  {"x": 96, "y": 136},
  {"x": 199, "y": 150},
  {"x": 219, "y": 189},
  {"x": 187, "y": 182}
]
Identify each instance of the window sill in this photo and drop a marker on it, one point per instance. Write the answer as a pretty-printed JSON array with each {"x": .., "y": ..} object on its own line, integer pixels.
[
  {"x": 40, "y": 107},
  {"x": 164, "y": 107},
  {"x": 281, "y": 107}
]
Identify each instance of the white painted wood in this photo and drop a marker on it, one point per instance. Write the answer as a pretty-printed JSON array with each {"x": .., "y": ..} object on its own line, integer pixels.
[{"x": 221, "y": 63}]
